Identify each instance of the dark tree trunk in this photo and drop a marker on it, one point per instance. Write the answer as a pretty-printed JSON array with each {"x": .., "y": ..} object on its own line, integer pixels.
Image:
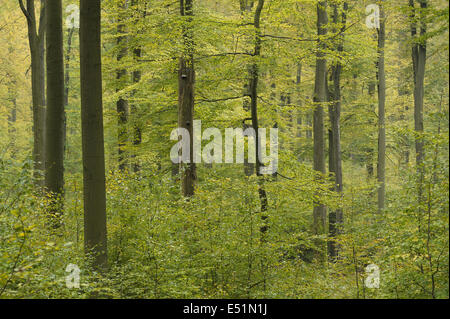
[
  {"x": 186, "y": 82},
  {"x": 419, "y": 54},
  {"x": 370, "y": 150},
  {"x": 336, "y": 217},
  {"x": 122, "y": 103},
  {"x": 249, "y": 168},
  {"x": 137, "y": 131},
  {"x": 92, "y": 134},
  {"x": 254, "y": 81},
  {"x": 70, "y": 33},
  {"x": 54, "y": 133},
  {"x": 36, "y": 43},
  {"x": 381, "y": 77},
  {"x": 320, "y": 97},
  {"x": 137, "y": 75}
]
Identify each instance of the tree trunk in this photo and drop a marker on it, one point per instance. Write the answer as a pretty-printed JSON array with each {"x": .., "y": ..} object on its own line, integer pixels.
[
  {"x": 369, "y": 152},
  {"x": 254, "y": 81},
  {"x": 299, "y": 127},
  {"x": 122, "y": 103},
  {"x": 92, "y": 134},
  {"x": 381, "y": 77},
  {"x": 320, "y": 97},
  {"x": 336, "y": 218},
  {"x": 12, "y": 118},
  {"x": 54, "y": 133},
  {"x": 249, "y": 168},
  {"x": 70, "y": 33},
  {"x": 186, "y": 82},
  {"x": 419, "y": 54},
  {"x": 137, "y": 75},
  {"x": 36, "y": 44},
  {"x": 137, "y": 131}
]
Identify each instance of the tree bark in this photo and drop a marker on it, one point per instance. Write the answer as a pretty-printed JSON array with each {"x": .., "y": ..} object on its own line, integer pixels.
[
  {"x": 254, "y": 81},
  {"x": 381, "y": 77},
  {"x": 299, "y": 127},
  {"x": 186, "y": 83},
  {"x": 122, "y": 103},
  {"x": 137, "y": 131},
  {"x": 92, "y": 134},
  {"x": 419, "y": 54},
  {"x": 137, "y": 75},
  {"x": 320, "y": 97},
  {"x": 70, "y": 33},
  {"x": 249, "y": 168},
  {"x": 54, "y": 133},
  {"x": 336, "y": 218},
  {"x": 36, "y": 43}
]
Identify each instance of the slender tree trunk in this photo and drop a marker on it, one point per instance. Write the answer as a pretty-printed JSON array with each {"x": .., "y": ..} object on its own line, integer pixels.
[
  {"x": 403, "y": 90},
  {"x": 419, "y": 54},
  {"x": 254, "y": 81},
  {"x": 249, "y": 168},
  {"x": 299, "y": 127},
  {"x": 381, "y": 77},
  {"x": 70, "y": 33},
  {"x": 122, "y": 103},
  {"x": 137, "y": 75},
  {"x": 36, "y": 44},
  {"x": 12, "y": 118},
  {"x": 320, "y": 97},
  {"x": 370, "y": 150},
  {"x": 336, "y": 217},
  {"x": 137, "y": 131},
  {"x": 92, "y": 134},
  {"x": 54, "y": 133},
  {"x": 186, "y": 82}
]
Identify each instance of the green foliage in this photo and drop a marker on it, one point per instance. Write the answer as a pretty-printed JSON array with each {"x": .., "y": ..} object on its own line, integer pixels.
[{"x": 161, "y": 245}]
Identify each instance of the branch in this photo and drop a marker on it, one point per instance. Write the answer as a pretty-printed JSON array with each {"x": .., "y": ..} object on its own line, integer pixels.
[
  {"x": 304, "y": 40},
  {"x": 219, "y": 100},
  {"x": 25, "y": 12},
  {"x": 224, "y": 54}
]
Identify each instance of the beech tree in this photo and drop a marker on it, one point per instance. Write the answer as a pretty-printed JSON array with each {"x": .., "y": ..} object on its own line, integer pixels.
[
  {"x": 419, "y": 58},
  {"x": 36, "y": 40},
  {"x": 186, "y": 95},
  {"x": 122, "y": 102},
  {"x": 336, "y": 217},
  {"x": 381, "y": 78},
  {"x": 320, "y": 97},
  {"x": 92, "y": 134},
  {"x": 54, "y": 132}
]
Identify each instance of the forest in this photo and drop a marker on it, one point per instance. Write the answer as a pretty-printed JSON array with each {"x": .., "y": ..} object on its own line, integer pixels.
[{"x": 233, "y": 149}]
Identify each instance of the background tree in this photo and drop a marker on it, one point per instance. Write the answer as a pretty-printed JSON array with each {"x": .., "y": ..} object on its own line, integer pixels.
[
  {"x": 336, "y": 218},
  {"x": 186, "y": 95},
  {"x": 381, "y": 78},
  {"x": 36, "y": 40},
  {"x": 320, "y": 97},
  {"x": 122, "y": 102}
]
